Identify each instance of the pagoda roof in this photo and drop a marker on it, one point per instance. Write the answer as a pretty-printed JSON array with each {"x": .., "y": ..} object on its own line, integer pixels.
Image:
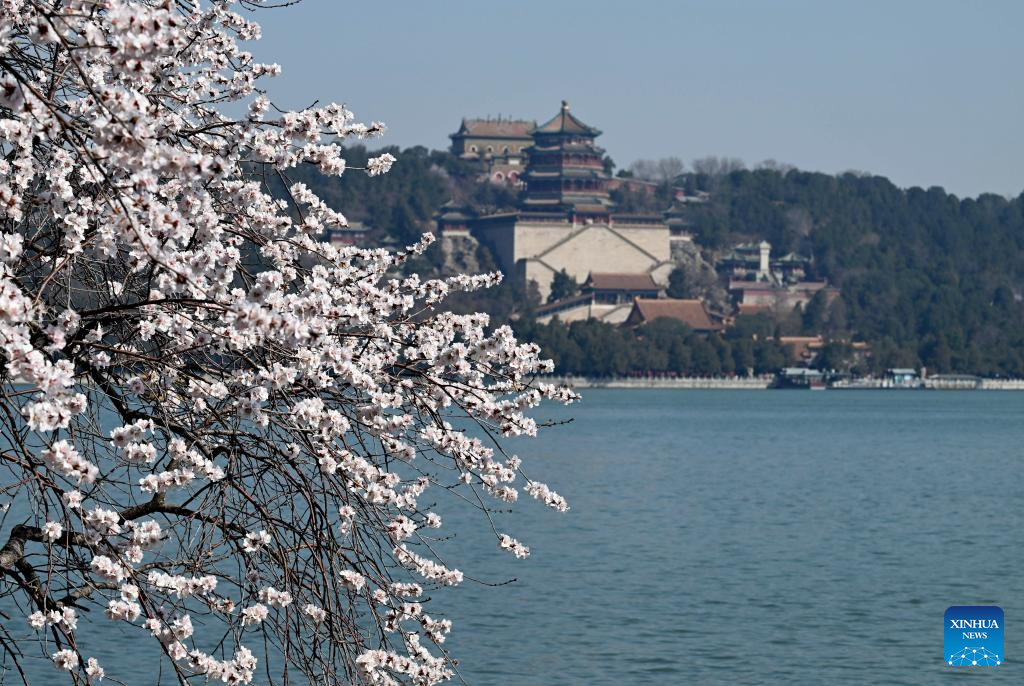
[
  {"x": 565, "y": 122},
  {"x": 452, "y": 211}
]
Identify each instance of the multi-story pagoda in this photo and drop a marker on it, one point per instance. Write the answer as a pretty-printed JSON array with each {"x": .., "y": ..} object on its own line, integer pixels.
[{"x": 565, "y": 169}]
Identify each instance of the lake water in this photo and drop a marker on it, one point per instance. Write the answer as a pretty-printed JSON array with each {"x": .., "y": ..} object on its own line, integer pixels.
[
  {"x": 734, "y": 537},
  {"x": 730, "y": 537}
]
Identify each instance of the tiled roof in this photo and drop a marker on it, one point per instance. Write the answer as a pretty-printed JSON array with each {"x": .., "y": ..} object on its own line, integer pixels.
[
  {"x": 496, "y": 128},
  {"x": 565, "y": 122},
  {"x": 690, "y": 312},
  {"x": 610, "y": 281}
]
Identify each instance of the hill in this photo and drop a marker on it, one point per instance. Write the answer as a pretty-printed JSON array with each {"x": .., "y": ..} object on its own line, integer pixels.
[{"x": 928, "y": 279}]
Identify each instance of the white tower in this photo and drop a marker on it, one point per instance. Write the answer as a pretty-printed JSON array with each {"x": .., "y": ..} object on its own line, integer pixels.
[{"x": 766, "y": 251}]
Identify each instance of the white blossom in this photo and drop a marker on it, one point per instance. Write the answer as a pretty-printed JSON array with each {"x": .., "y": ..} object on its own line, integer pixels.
[
  {"x": 380, "y": 165},
  {"x": 254, "y": 614},
  {"x": 214, "y": 405},
  {"x": 65, "y": 659},
  {"x": 52, "y": 531},
  {"x": 255, "y": 540},
  {"x": 506, "y": 542},
  {"x": 93, "y": 669},
  {"x": 351, "y": 579},
  {"x": 317, "y": 614}
]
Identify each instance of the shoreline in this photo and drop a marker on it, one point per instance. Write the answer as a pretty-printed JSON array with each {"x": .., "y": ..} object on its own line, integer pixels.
[{"x": 756, "y": 383}]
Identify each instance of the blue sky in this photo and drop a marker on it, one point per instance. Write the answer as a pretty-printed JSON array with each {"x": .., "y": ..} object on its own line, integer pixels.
[{"x": 926, "y": 93}]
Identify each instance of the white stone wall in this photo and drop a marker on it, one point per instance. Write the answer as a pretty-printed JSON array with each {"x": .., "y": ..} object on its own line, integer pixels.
[
  {"x": 611, "y": 314},
  {"x": 547, "y": 248}
]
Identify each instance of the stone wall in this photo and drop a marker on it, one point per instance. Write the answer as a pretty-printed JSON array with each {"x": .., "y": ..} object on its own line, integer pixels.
[{"x": 547, "y": 248}]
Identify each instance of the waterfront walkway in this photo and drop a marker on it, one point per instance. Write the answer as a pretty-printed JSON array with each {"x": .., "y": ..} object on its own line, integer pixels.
[{"x": 754, "y": 383}]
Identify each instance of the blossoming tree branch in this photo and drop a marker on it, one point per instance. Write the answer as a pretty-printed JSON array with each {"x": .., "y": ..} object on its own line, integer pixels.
[{"x": 217, "y": 431}]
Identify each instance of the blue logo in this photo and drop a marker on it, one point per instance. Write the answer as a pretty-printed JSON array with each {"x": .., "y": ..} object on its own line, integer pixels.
[{"x": 974, "y": 636}]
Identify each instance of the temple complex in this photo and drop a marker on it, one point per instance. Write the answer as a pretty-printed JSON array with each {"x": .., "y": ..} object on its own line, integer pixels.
[
  {"x": 760, "y": 283},
  {"x": 566, "y": 218}
]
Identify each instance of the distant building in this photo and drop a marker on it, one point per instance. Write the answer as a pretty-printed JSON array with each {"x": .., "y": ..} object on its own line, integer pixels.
[
  {"x": 753, "y": 262},
  {"x": 454, "y": 218},
  {"x": 902, "y": 378},
  {"x": 807, "y": 348},
  {"x": 618, "y": 288},
  {"x": 677, "y": 220},
  {"x": 353, "y": 234},
  {"x": 566, "y": 169},
  {"x": 689, "y": 312},
  {"x": 607, "y": 297},
  {"x": 759, "y": 283},
  {"x": 752, "y": 297},
  {"x": 580, "y": 307},
  {"x": 566, "y": 219},
  {"x": 486, "y": 138},
  {"x": 748, "y": 262},
  {"x": 497, "y": 144}
]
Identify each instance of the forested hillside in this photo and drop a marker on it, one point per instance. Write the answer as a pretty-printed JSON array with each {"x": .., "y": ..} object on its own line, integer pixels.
[{"x": 927, "y": 278}]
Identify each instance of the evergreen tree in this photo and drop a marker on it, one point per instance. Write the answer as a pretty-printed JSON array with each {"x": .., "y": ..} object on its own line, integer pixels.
[{"x": 562, "y": 286}]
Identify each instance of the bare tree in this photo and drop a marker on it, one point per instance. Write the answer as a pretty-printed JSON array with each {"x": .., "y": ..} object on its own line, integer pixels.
[
  {"x": 663, "y": 170},
  {"x": 775, "y": 166},
  {"x": 717, "y": 166}
]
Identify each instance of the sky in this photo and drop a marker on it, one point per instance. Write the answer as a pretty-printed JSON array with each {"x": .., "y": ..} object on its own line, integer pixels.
[{"x": 927, "y": 93}]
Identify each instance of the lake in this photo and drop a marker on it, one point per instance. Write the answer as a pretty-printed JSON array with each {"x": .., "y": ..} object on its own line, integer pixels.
[
  {"x": 736, "y": 537},
  {"x": 754, "y": 537}
]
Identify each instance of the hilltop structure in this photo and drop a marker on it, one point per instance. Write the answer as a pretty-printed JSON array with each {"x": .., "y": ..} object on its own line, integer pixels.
[
  {"x": 753, "y": 262},
  {"x": 566, "y": 173},
  {"x": 480, "y": 138},
  {"x": 498, "y": 144},
  {"x": 566, "y": 218},
  {"x": 759, "y": 283}
]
